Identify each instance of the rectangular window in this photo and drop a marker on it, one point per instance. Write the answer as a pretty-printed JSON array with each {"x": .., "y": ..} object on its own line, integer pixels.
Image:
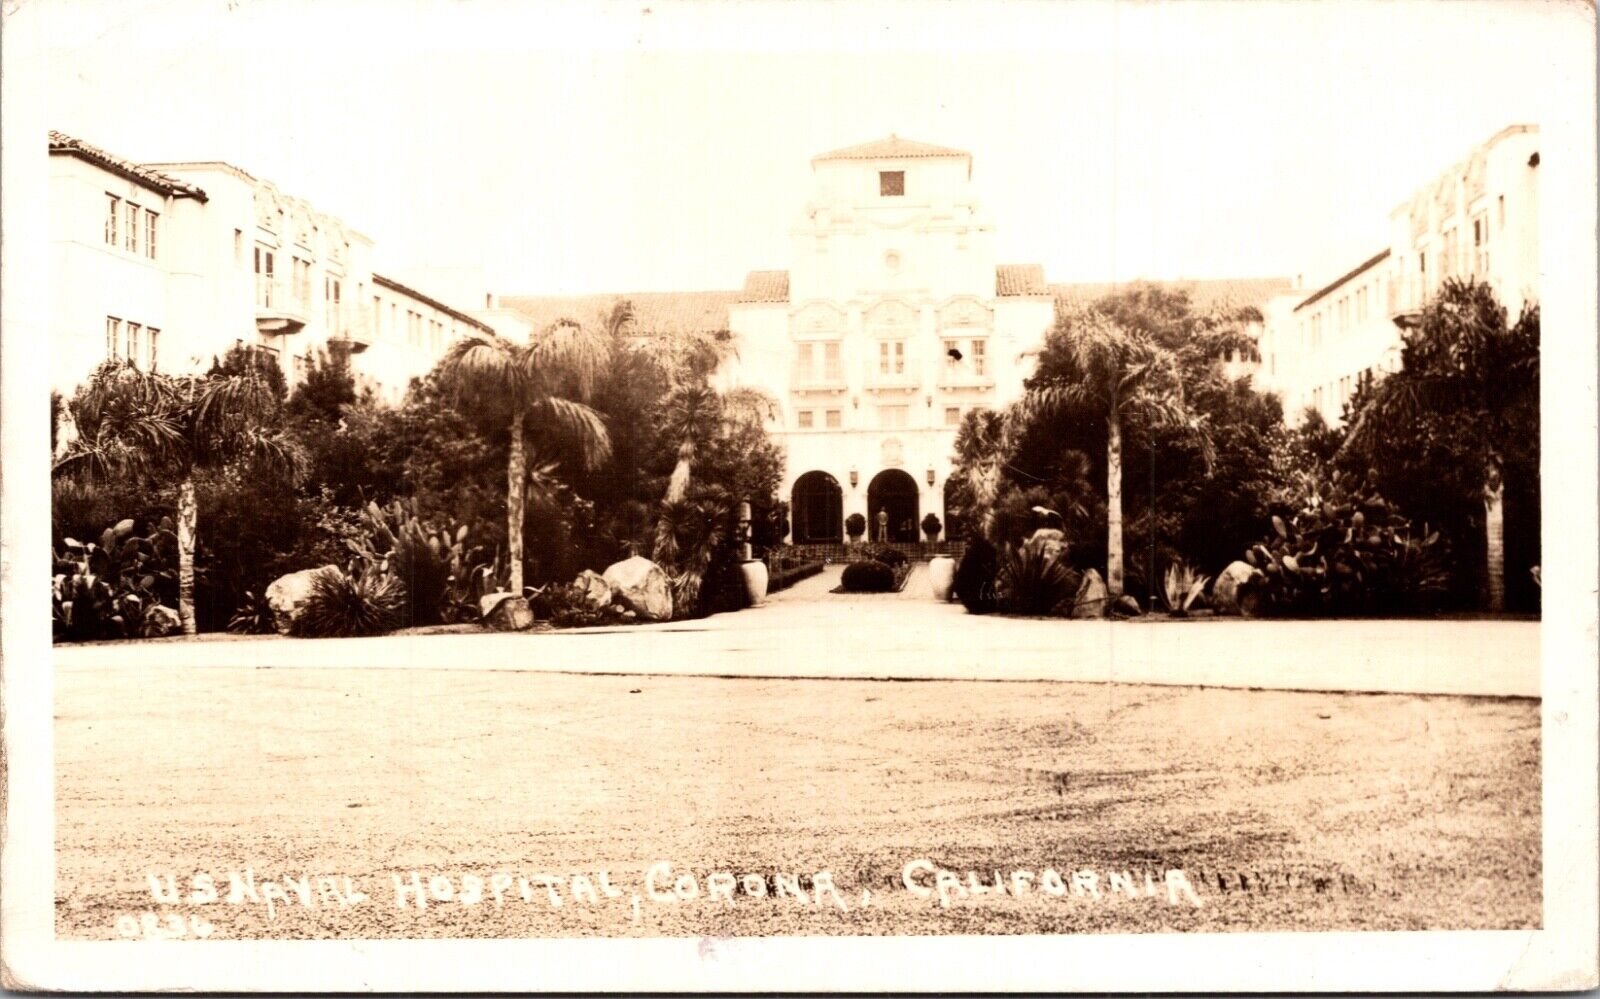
[
  {"x": 803, "y": 419},
  {"x": 891, "y": 357},
  {"x": 832, "y": 367},
  {"x": 835, "y": 419},
  {"x": 951, "y": 349},
  {"x": 263, "y": 277},
  {"x": 891, "y": 183},
  {"x": 113, "y": 213},
  {"x": 435, "y": 335},
  {"x": 803, "y": 371},
  {"x": 892, "y": 417},
  {"x": 113, "y": 335},
  {"x": 331, "y": 292},
  {"x": 131, "y": 230},
  {"x": 413, "y": 329},
  {"x": 150, "y": 233},
  {"x": 980, "y": 358},
  {"x": 1480, "y": 244},
  {"x": 238, "y": 248},
  {"x": 1361, "y": 304},
  {"x": 130, "y": 342},
  {"x": 952, "y": 416},
  {"x": 377, "y": 316},
  {"x": 152, "y": 338}
]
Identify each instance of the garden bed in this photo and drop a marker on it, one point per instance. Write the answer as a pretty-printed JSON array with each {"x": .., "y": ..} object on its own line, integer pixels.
[{"x": 785, "y": 574}]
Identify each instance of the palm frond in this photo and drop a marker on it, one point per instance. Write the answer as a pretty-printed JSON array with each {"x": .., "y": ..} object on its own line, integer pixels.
[
  {"x": 566, "y": 358},
  {"x": 577, "y": 424}
]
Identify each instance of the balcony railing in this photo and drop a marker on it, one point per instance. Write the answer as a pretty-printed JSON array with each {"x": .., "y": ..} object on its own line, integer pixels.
[
  {"x": 879, "y": 380},
  {"x": 965, "y": 378},
  {"x": 278, "y": 309}
]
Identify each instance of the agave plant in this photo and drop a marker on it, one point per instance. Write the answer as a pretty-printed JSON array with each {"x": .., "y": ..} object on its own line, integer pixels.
[
  {"x": 1033, "y": 579},
  {"x": 1182, "y": 588},
  {"x": 364, "y": 601},
  {"x": 438, "y": 569},
  {"x": 253, "y": 616}
]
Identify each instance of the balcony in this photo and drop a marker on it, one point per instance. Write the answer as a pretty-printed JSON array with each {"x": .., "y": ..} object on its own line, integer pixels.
[
  {"x": 278, "y": 311},
  {"x": 1406, "y": 298},
  {"x": 892, "y": 381},
  {"x": 961, "y": 378},
  {"x": 354, "y": 336}
]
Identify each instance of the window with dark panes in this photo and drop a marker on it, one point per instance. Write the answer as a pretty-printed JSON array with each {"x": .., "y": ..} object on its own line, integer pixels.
[{"x": 891, "y": 183}]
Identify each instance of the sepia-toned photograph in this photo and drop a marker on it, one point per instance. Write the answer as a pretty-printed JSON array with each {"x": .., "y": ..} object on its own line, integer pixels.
[{"x": 679, "y": 479}]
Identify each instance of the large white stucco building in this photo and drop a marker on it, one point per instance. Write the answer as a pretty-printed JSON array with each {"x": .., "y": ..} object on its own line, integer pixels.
[
  {"x": 168, "y": 265},
  {"x": 893, "y": 320},
  {"x": 1478, "y": 219}
]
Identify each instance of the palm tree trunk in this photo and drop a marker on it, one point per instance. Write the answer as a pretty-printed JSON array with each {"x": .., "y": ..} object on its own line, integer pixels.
[
  {"x": 1495, "y": 543},
  {"x": 188, "y": 514},
  {"x": 678, "y": 484},
  {"x": 1114, "y": 503},
  {"x": 516, "y": 479}
]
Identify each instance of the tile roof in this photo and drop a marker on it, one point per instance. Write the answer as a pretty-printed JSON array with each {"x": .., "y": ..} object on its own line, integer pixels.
[
  {"x": 765, "y": 286},
  {"x": 894, "y": 148},
  {"x": 67, "y": 145},
  {"x": 655, "y": 312},
  {"x": 1020, "y": 279},
  {"x": 393, "y": 285},
  {"x": 1203, "y": 295},
  {"x": 1372, "y": 261}
]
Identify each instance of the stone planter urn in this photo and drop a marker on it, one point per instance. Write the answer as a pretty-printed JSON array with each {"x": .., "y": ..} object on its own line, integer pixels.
[
  {"x": 755, "y": 581},
  {"x": 942, "y": 575}
]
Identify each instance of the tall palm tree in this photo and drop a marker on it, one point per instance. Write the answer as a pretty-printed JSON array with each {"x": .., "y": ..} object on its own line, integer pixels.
[
  {"x": 1126, "y": 375},
  {"x": 154, "y": 425},
  {"x": 1472, "y": 378},
  {"x": 534, "y": 386}
]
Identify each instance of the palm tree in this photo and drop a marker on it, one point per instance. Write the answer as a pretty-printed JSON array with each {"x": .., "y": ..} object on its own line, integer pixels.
[
  {"x": 1125, "y": 374},
  {"x": 1470, "y": 380},
  {"x": 157, "y": 425},
  {"x": 536, "y": 383}
]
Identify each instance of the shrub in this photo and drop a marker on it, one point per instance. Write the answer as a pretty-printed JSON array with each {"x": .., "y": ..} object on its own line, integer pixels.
[
  {"x": 855, "y": 525},
  {"x": 894, "y": 558},
  {"x": 975, "y": 577},
  {"x": 1032, "y": 579},
  {"x": 344, "y": 605},
  {"x": 868, "y": 576},
  {"x": 110, "y": 588},
  {"x": 931, "y": 526},
  {"x": 254, "y": 616},
  {"x": 1347, "y": 552}
]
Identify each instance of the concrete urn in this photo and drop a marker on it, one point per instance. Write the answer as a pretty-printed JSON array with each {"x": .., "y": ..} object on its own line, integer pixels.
[
  {"x": 755, "y": 581},
  {"x": 942, "y": 576}
]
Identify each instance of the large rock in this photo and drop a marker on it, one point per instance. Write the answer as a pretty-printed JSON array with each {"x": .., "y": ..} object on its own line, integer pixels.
[
  {"x": 1225, "y": 591},
  {"x": 1127, "y": 606},
  {"x": 505, "y": 611},
  {"x": 287, "y": 596},
  {"x": 160, "y": 621},
  {"x": 639, "y": 585},
  {"x": 1092, "y": 596},
  {"x": 592, "y": 590}
]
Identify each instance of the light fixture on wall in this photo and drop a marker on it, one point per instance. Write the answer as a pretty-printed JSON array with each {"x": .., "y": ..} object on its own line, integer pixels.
[
  {"x": 929, "y": 400},
  {"x": 855, "y": 477},
  {"x": 855, "y": 401},
  {"x": 930, "y": 476}
]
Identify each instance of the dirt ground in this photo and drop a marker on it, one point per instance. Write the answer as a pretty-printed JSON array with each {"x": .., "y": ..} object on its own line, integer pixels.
[{"x": 506, "y": 794}]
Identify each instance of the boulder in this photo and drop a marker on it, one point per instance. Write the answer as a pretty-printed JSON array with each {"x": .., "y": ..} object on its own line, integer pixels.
[
  {"x": 1225, "y": 591},
  {"x": 160, "y": 621},
  {"x": 1092, "y": 597},
  {"x": 505, "y": 611},
  {"x": 1127, "y": 606},
  {"x": 592, "y": 590},
  {"x": 640, "y": 586},
  {"x": 287, "y": 595}
]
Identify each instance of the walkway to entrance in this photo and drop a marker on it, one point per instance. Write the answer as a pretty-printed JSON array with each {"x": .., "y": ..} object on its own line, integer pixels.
[{"x": 819, "y": 588}]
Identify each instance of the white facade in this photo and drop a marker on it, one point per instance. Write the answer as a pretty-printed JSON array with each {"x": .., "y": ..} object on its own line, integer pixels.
[
  {"x": 893, "y": 321},
  {"x": 169, "y": 265},
  {"x": 1479, "y": 219}
]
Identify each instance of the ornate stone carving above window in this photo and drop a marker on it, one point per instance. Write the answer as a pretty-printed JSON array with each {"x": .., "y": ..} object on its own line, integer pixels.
[
  {"x": 891, "y": 317},
  {"x": 965, "y": 313},
  {"x": 817, "y": 318}
]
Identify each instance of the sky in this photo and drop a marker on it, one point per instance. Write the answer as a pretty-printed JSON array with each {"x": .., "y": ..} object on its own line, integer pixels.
[{"x": 648, "y": 145}]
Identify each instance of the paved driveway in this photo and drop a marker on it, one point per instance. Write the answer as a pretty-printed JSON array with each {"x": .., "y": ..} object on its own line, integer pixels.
[{"x": 809, "y": 632}]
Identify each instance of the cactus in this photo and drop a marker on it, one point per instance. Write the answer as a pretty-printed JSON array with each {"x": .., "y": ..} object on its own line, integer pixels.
[
  {"x": 1348, "y": 551},
  {"x": 108, "y": 588},
  {"x": 442, "y": 574}
]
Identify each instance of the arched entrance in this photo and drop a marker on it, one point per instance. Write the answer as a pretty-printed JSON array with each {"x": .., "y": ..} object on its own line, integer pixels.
[
  {"x": 894, "y": 492},
  {"x": 816, "y": 509}
]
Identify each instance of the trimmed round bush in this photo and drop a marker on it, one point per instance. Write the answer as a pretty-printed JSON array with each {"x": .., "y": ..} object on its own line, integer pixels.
[
  {"x": 855, "y": 525},
  {"x": 868, "y": 576}
]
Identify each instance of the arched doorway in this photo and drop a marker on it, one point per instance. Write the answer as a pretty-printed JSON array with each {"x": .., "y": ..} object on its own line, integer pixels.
[
  {"x": 894, "y": 492},
  {"x": 817, "y": 509}
]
